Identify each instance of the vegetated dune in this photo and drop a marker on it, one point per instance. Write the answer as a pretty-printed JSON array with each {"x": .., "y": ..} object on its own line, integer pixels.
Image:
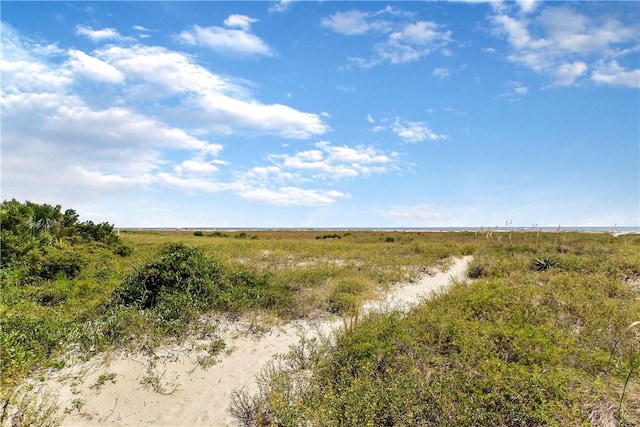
[{"x": 174, "y": 386}]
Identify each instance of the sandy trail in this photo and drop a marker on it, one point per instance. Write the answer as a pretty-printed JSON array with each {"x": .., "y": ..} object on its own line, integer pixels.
[{"x": 199, "y": 397}]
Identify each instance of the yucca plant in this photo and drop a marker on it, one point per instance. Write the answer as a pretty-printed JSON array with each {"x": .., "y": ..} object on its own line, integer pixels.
[{"x": 544, "y": 264}]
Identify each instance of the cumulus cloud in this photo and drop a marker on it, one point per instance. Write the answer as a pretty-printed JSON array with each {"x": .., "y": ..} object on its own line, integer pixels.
[
  {"x": 353, "y": 22},
  {"x": 328, "y": 161},
  {"x": 55, "y": 130},
  {"x": 610, "y": 72},
  {"x": 413, "y": 132},
  {"x": 93, "y": 68},
  {"x": 239, "y": 21},
  {"x": 281, "y": 6},
  {"x": 235, "y": 37},
  {"x": 195, "y": 167},
  {"x": 403, "y": 39},
  {"x": 566, "y": 74},
  {"x": 292, "y": 179},
  {"x": 528, "y": 6},
  {"x": 100, "y": 35},
  {"x": 412, "y": 42},
  {"x": 222, "y": 106},
  {"x": 565, "y": 44}
]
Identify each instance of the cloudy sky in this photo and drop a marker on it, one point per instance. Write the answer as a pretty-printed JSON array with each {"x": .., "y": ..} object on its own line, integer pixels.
[{"x": 324, "y": 114}]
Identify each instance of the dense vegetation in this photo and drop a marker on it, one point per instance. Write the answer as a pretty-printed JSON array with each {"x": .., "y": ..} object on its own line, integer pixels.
[
  {"x": 547, "y": 334},
  {"x": 544, "y": 335}
]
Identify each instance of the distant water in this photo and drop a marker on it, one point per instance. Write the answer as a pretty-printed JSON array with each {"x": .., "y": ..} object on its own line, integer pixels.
[{"x": 613, "y": 230}]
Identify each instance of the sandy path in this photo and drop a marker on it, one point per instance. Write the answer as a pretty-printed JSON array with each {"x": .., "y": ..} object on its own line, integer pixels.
[{"x": 201, "y": 396}]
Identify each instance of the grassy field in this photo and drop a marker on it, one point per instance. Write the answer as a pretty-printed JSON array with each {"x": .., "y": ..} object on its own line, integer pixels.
[{"x": 544, "y": 335}]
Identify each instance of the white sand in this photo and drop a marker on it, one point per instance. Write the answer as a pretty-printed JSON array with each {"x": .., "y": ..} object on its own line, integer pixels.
[{"x": 199, "y": 397}]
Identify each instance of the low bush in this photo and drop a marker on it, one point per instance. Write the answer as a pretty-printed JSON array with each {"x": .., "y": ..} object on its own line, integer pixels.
[
  {"x": 179, "y": 269},
  {"x": 123, "y": 250},
  {"x": 56, "y": 262}
]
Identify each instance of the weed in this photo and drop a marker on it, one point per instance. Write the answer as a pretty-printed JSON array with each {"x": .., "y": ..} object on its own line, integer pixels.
[
  {"x": 102, "y": 380},
  {"x": 76, "y": 405},
  {"x": 633, "y": 360},
  {"x": 24, "y": 407},
  {"x": 153, "y": 378},
  {"x": 208, "y": 353}
]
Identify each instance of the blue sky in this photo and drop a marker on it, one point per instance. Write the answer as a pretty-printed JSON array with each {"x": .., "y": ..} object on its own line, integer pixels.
[{"x": 324, "y": 114}]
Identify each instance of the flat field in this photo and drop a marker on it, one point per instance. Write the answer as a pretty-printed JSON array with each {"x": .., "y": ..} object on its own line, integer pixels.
[{"x": 543, "y": 332}]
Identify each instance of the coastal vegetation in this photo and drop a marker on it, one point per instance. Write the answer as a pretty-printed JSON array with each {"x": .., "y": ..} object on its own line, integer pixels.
[{"x": 545, "y": 332}]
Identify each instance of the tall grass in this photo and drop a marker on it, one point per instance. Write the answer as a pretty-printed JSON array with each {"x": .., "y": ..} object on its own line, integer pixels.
[{"x": 521, "y": 345}]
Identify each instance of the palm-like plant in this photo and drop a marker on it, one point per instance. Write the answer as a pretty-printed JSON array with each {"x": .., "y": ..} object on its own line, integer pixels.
[{"x": 45, "y": 219}]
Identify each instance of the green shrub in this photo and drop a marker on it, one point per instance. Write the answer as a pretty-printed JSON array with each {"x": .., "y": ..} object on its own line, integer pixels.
[
  {"x": 123, "y": 250},
  {"x": 56, "y": 262},
  {"x": 345, "y": 296},
  {"x": 249, "y": 290},
  {"x": 178, "y": 269}
]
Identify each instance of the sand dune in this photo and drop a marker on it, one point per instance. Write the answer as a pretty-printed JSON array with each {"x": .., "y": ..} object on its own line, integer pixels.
[{"x": 186, "y": 394}]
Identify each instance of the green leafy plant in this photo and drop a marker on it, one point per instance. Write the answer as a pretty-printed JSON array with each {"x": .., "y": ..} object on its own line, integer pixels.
[
  {"x": 179, "y": 270},
  {"x": 103, "y": 379},
  {"x": 123, "y": 250},
  {"x": 544, "y": 264}
]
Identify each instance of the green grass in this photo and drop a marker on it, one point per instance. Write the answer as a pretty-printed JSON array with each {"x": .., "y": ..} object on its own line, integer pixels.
[
  {"x": 543, "y": 336},
  {"x": 521, "y": 345},
  {"x": 290, "y": 274}
]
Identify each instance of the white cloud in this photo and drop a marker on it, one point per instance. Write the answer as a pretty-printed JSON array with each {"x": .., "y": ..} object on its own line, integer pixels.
[
  {"x": 413, "y": 132},
  {"x": 565, "y": 44},
  {"x": 239, "y": 21},
  {"x": 173, "y": 71},
  {"x": 100, "y": 151},
  {"x": 412, "y": 42},
  {"x": 335, "y": 162},
  {"x": 521, "y": 90},
  {"x": 235, "y": 39},
  {"x": 566, "y": 74},
  {"x": 281, "y": 6},
  {"x": 293, "y": 196},
  {"x": 195, "y": 167},
  {"x": 527, "y": 6},
  {"x": 516, "y": 90},
  {"x": 517, "y": 32},
  {"x": 405, "y": 40},
  {"x": 217, "y": 104},
  {"x": 612, "y": 73},
  {"x": 98, "y": 35},
  {"x": 191, "y": 184},
  {"x": 93, "y": 68},
  {"x": 370, "y": 118},
  {"x": 443, "y": 73},
  {"x": 349, "y": 23}
]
